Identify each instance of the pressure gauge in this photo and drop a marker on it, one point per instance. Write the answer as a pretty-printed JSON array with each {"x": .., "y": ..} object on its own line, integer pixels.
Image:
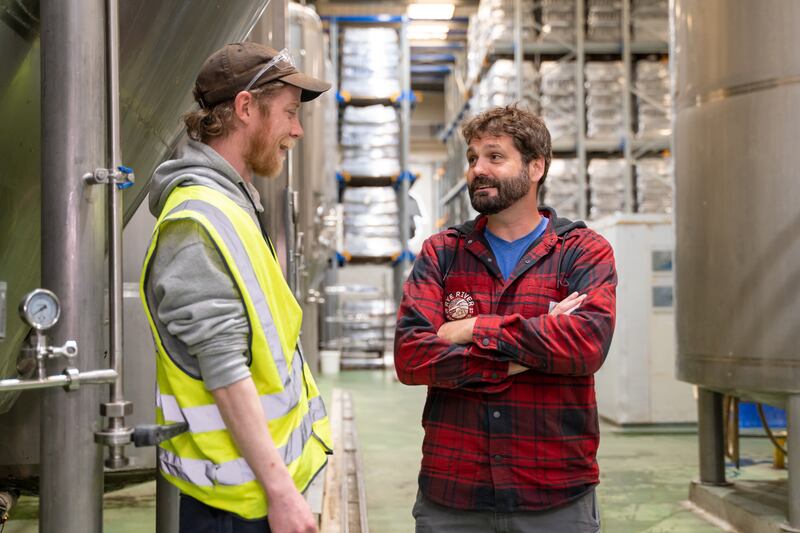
[{"x": 40, "y": 309}]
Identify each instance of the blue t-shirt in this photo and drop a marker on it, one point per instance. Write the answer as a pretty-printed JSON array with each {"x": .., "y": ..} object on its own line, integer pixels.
[{"x": 508, "y": 253}]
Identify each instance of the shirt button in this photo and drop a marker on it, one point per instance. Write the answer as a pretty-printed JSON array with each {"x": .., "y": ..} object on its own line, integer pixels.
[
  {"x": 489, "y": 259},
  {"x": 494, "y": 375},
  {"x": 498, "y": 458},
  {"x": 527, "y": 261},
  {"x": 469, "y": 241},
  {"x": 496, "y": 414},
  {"x": 485, "y": 341}
]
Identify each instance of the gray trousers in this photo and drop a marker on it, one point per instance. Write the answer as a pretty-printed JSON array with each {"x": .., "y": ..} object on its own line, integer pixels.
[{"x": 579, "y": 516}]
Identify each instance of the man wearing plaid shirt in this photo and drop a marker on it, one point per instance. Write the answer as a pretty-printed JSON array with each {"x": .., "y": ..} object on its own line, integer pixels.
[{"x": 506, "y": 319}]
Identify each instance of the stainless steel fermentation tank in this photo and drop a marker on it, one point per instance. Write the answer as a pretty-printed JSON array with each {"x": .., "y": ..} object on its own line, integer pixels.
[
  {"x": 162, "y": 46},
  {"x": 736, "y": 73},
  {"x": 303, "y": 225}
]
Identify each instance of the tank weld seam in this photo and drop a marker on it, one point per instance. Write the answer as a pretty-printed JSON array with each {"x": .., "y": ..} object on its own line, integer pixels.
[{"x": 736, "y": 90}]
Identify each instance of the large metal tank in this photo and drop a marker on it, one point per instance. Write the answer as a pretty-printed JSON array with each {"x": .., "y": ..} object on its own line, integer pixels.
[
  {"x": 737, "y": 125},
  {"x": 163, "y": 45},
  {"x": 309, "y": 172}
]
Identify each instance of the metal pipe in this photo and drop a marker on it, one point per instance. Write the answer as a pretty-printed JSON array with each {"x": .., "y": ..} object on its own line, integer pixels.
[
  {"x": 793, "y": 443},
  {"x": 167, "y": 505},
  {"x": 41, "y": 360},
  {"x": 289, "y": 225},
  {"x": 710, "y": 437},
  {"x": 405, "y": 144},
  {"x": 117, "y": 406},
  {"x": 71, "y": 379},
  {"x": 73, "y": 249}
]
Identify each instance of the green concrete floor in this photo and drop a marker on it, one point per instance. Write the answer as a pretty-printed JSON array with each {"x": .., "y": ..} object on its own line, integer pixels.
[{"x": 644, "y": 476}]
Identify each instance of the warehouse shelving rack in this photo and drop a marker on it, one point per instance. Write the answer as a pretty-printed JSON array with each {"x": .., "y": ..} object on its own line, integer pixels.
[
  {"x": 404, "y": 103},
  {"x": 453, "y": 200}
]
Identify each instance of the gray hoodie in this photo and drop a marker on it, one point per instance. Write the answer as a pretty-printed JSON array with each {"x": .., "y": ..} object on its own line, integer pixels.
[{"x": 191, "y": 294}]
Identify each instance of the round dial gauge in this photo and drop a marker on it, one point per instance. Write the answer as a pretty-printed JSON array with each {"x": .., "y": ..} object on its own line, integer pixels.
[{"x": 40, "y": 309}]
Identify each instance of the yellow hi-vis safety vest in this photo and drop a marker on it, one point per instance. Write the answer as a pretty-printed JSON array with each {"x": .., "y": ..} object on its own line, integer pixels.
[{"x": 204, "y": 462}]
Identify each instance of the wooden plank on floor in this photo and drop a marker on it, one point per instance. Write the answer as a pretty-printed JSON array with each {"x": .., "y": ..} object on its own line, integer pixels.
[{"x": 344, "y": 503}]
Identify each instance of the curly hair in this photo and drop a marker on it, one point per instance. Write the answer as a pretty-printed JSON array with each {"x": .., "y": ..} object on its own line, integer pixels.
[
  {"x": 530, "y": 135},
  {"x": 203, "y": 124}
]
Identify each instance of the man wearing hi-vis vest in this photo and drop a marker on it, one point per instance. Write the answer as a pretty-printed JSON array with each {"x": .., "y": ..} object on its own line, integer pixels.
[{"x": 225, "y": 324}]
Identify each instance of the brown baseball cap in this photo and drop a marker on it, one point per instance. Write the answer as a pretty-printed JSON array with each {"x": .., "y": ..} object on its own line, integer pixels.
[{"x": 230, "y": 69}]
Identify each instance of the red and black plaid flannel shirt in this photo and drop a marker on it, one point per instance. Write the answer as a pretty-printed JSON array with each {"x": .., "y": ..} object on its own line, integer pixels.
[{"x": 495, "y": 442}]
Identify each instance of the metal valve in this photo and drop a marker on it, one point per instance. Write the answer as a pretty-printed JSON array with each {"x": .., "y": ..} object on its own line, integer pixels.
[
  {"x": 121, "y": 176},
  {"x": 69, "y": 350}
]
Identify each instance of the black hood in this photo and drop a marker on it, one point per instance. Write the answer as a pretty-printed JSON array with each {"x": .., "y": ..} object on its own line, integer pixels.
[{"x": 561, "y": 226}]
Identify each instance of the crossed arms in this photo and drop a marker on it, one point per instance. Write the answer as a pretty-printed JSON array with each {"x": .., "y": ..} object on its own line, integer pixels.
[{"x": 480, "y": 353}]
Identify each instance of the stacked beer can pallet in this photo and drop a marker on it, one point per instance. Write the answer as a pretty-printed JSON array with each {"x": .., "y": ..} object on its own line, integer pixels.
[
  {"x": 606, "y": 186},
  {"x": 499, "y": 87},
  {"x": 604, "y": 20},
  {"x": 370, "y": 63},
  {"x": 654, "y": 185},
  {"x": 653, "y": 99},
  {"x": 558, "y": 21},
  {"x": 369, "y": 141},
  {"x": 558, "y": 99},
  {"x": 562, "y": 190},
  {"x": 371, "y": 222},
  {"x": 604, "y": 94}
]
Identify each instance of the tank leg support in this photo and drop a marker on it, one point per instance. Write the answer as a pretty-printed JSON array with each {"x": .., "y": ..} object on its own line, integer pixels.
[
  {"x": 793, "y": 443},
  {"x": 710, "y": 437},
  {"x": 167, "y": 504}
]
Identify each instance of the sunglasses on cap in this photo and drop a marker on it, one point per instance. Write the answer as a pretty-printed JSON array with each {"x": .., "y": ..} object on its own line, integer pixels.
[{"x": 281, "y": 57}]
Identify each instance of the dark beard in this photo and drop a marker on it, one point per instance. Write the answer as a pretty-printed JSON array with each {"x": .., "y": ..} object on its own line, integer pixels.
[{"x": 509, "y": 191}]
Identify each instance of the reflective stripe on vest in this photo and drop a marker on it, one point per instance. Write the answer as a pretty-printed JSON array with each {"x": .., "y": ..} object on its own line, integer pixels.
[
  {"x": 205, "y": 473},
  {"x": 236, "y": 247},
  {"x": 204, "y": 418}
]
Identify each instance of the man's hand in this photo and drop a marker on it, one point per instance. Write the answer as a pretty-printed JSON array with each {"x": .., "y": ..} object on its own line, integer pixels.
[
  {"x": 564, "y": 307},
  {"x": 457, "y": 331},
  {"x": 568, "y": 304},
  {"x": 244, "y": 417},
  {"x": 289, "y": 513}
]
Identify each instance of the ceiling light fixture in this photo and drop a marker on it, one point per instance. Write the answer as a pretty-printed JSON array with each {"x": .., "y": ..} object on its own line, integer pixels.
[{"x": 431, "y": 11}]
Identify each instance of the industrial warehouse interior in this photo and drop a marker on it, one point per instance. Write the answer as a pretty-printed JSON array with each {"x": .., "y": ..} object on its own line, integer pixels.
[{"x": 637, "y": 360}]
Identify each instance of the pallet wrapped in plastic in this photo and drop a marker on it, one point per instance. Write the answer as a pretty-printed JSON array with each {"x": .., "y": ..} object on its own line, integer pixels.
[
  {"x": 654, "y": 185},
  {"x": 650, "y": 20},
  {"x": 370, "y": 138},
  {"x": 606, "y": 187},
  {"x": 604, "y": 97},
  {"x": 499, "y": 86},
  {"x": 604, "y": 20},
  {"x": 558, "y": 21},
  {"x": 562, "y": 191},
  {"x": 653, "y": 100},
  {"x": 370, "y": 62},
  {"x": 558, "y": 106},
  {"x": 494, "y": 22}
]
